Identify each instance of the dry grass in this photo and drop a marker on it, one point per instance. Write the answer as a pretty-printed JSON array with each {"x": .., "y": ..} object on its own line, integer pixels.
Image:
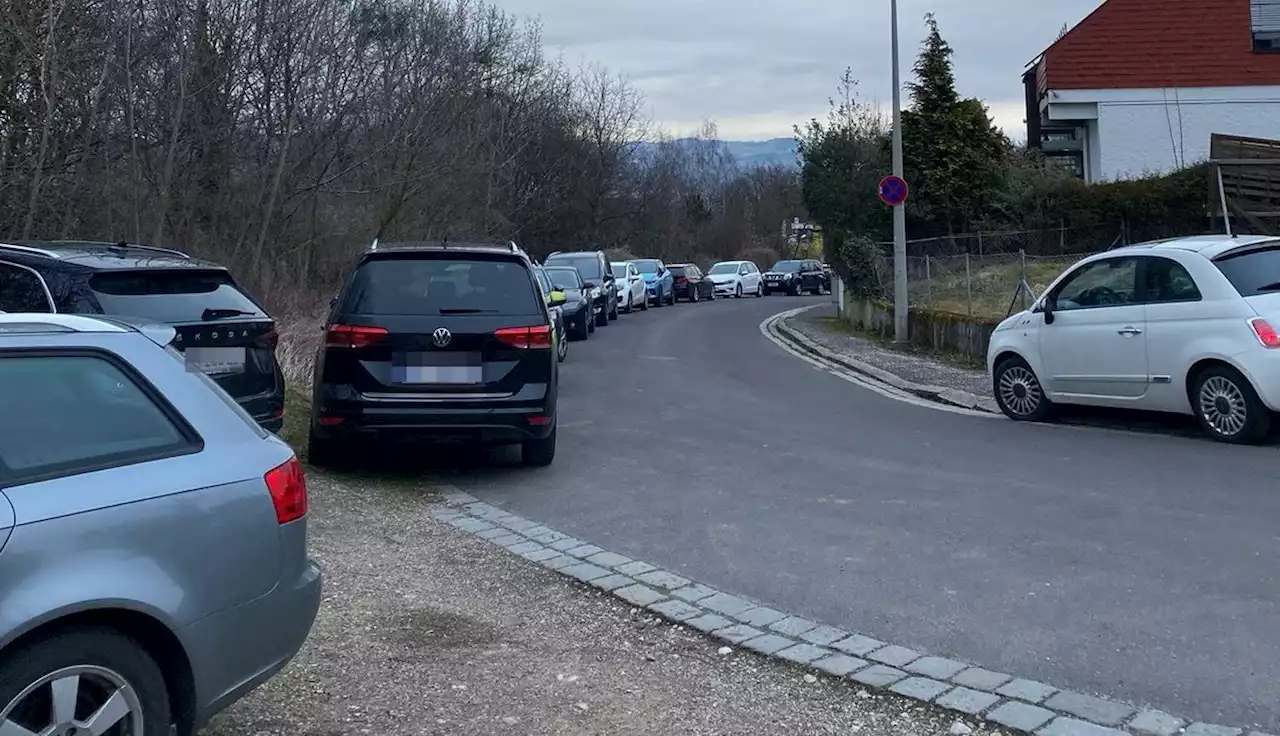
[{"x": 988, "y": 288}]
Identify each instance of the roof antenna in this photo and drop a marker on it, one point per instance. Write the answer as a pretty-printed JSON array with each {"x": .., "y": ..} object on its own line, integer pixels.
[
  {"x": 374, "y": 246},
  {"x": 444, "y": 242}
]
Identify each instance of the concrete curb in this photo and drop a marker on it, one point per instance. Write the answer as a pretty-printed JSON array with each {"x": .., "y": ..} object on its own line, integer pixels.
[
  {"x": 973, "y": 692},
  {"x": 940, "y": 394}
]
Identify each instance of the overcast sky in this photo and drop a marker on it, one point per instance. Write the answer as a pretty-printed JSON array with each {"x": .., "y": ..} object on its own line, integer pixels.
[{"x": 756, "y": 67}]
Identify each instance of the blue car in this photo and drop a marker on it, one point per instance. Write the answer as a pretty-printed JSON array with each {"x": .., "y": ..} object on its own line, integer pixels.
[{"x": 659, "y": 284}]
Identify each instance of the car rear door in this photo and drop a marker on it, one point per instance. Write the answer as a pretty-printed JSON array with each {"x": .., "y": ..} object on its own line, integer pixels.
[
  {"x": 446, "y": 323},
  {"x": 221, "y": 330}
]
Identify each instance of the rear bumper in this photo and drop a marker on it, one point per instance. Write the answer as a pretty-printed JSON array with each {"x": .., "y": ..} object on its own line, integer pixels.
[
  {"x": 497, "y": 421},
  {"x": 235, "y": 651}
]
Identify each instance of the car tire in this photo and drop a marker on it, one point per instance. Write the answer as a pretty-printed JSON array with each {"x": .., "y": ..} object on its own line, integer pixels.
[
  {"x": 627, "y": 309},
  {"x": 1228, "y": 407},
  {"x": 613, "y": 313},
  {"x": 562, "y": 348},
  {"x": 759, "y": 291},
  {"x": 1019, "y": 393},
  {"x": 539, "y": 453},
  {"x": 602, "y": 319},
  {"x": 737, "y": 291},
  {"x": 657, "y": 299},
  {"x": 693, "y": 296},
  {"x": 644, "y": 303},
  {"x": 326, "y": 452},
  {"x": 112, "y": 664}
]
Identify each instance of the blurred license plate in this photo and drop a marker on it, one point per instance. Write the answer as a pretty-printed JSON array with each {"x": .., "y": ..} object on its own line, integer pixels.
[
  {"x": 216, "y": 361},
  {"x": 437, "y": 368}
]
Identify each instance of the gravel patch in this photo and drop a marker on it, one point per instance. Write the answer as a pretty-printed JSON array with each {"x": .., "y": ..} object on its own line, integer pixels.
[
  {"x": 425, "y": 629},
  {"x": 916, "y": 368}
]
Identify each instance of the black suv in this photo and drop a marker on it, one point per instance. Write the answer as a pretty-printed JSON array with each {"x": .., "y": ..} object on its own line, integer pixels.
[
  {"x": 220, "y": 328},
  {"x": 796, "y": 277},
  {"x": 439, "y": 342},
  {"x": 597, "y": 276}
]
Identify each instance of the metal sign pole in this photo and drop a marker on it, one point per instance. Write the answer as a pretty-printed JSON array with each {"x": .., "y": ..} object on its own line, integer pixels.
[{"x": 899, "y": 212}]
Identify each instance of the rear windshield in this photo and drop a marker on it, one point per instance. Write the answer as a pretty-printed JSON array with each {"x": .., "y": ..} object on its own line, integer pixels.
[
  {"x": 588, "y": 266},
  {"x": 564, "y": 278},
  {"x": 172, "y": 296},
  {"x": 677, "y": 270},
  {"x": 787, "y": 266},
  {"x": 1253, "y": 272},
  {"x": 411, "y": 286}
]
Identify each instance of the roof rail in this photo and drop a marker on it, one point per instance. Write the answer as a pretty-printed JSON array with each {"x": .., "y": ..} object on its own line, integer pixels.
[
  {"x": 29, "y": 249},
  {"x": 125, "y": 245}
]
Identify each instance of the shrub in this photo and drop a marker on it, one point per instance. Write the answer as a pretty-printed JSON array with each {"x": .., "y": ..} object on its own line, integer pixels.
[
  {"x": 762, "y": 257},
  {"x": 860, "y": 263}
]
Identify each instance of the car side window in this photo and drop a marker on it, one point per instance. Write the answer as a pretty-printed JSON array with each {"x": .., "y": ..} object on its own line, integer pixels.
[
  {"x": 22, "y": 290},
  {"x": 1111, "y": 282},
  {"x": 1166, "y": 281},
  {"x": 76, "y": 413},
  {"x": 742, "y": 270},
  {"x": 751, "y": 268}
]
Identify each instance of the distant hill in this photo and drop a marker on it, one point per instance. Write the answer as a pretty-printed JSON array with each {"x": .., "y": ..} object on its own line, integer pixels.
[{"x": 748, "y": 154}]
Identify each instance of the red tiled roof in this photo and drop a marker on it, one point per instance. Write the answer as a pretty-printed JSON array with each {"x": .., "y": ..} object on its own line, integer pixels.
[{"x": 1144, "y": 44}]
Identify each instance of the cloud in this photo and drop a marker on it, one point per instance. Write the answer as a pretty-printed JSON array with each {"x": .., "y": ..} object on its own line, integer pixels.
[{"x": 757, "y": 67}]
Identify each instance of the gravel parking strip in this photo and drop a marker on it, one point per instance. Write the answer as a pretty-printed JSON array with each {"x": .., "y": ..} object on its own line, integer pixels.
[{"x": 429, "y": 629}]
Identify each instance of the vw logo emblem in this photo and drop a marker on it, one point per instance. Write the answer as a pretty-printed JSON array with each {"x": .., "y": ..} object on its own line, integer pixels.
[{"x": 441, "y": 337}]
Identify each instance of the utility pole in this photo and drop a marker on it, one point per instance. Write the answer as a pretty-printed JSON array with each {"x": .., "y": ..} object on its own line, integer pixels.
[{"x": 899, "y": 212}]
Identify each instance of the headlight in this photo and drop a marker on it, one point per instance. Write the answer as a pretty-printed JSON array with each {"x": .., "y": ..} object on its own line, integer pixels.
[
  {"x": 787, "y": 277},
  {"x": 595, "y": 293}
]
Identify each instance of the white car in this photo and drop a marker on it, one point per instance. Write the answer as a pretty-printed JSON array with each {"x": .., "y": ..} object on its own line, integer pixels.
[
  {"x": 735, "y": 278},
  {"x": 631, "y": 290},
  {"x": 1187, "y": 325}
]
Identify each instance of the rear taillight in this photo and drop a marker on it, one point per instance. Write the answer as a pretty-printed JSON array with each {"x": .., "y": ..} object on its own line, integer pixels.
[
  {"x": 353, "y": 336},
  {"x": 288, "y": 486},
  {"x": 525, "y": 338},
  {"x": 1265, "y": 333},
  {"x": 681, "y": 280},
  {"x": 267, "y": 340}
]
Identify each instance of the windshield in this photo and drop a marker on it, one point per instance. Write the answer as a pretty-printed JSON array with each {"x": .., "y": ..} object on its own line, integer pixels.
[
  {"x": 721, "y": 268},
  {"x": 786, "y": 266},
  {"x": 418, "y": 286},
  {"x": 171, "y": 296},
  {"x": 588, "y": 266},
  {"x": 1252, "y": 272},
  {"x": 564, "y": 278},
  {"x": 648, "y": 266},
  {"x": 619, "y": 270}
]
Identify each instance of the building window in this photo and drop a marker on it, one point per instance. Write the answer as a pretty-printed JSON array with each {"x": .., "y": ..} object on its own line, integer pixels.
[
  {"x": 1266, "y": 25},
  {"x": 1073, "y": 162}
]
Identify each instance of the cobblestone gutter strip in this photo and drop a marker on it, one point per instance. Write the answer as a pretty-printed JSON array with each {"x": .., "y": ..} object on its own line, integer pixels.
[
  {"x": 1021, "y": 705},
  {"x": 778, "y": 327}
]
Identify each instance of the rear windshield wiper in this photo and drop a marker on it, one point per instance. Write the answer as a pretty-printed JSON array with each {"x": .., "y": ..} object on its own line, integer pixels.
[
  {"x": 464, "y": 310},
  {"x": 1269, "y": 287},
  {"x": 212, "y": 314}
]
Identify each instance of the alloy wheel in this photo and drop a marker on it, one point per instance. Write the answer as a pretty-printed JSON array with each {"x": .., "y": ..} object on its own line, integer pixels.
[
  {"x": 1222, "y": 404},
  {"x": 1020, "y": 391},
  {"x": 83, "y": 700}
]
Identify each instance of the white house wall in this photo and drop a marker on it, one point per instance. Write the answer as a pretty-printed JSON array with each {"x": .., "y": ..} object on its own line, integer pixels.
[{"x": 1142, "y": 131}]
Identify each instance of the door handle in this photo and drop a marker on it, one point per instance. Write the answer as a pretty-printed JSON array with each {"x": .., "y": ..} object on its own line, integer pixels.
[{"x": 1129, "y": 331}]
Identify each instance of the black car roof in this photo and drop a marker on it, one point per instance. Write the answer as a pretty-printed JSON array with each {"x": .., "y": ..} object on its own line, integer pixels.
[{"x": 100, "y": 256}]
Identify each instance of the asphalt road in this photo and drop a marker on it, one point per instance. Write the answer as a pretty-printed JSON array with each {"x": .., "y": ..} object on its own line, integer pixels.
[{"x": 1136, "y": 566}]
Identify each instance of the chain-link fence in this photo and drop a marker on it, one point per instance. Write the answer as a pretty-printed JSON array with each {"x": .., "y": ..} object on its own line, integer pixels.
[{"x": 987, "y": 275}]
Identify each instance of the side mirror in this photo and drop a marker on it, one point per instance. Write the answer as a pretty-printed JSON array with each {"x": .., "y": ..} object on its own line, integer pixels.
[
  {"x": 558, "y": 298},
  {"x": 1046, "y": 307},
  {"x": 588, "y": 284},
  {"x": 333, "y": 302}
]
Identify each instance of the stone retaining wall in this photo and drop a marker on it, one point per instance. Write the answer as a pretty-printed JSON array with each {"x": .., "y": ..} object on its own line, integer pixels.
[{"x": 934, "y": 330}]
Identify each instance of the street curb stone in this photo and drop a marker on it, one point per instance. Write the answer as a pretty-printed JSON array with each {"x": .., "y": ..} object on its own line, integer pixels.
[
  {"x": 1016, "y": 703},
  {"x": 939, "y": 394}
]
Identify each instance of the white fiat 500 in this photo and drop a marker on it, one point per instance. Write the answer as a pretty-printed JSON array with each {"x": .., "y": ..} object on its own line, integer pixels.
[{"x": 1188, "y": 325}]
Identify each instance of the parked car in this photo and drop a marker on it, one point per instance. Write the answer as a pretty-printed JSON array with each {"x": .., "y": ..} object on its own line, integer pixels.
[
  {"x": 596, "y": 276},
  {"x": 554, "y": 299},
  {"x": 631, "y": 289},
  {"x": 735, "y": 278},
  {"x": 443, "y": 343},
  {"x": 796, "y": 277},
  {"x": 222, "y": 329},
  {"x": 1187, "y": 325},
  {"x": 658, "y": 281},
  {"x": 154, "y": 566},
  {"x": 690, "y": 283},
  {"x": 577, "y": 310}
]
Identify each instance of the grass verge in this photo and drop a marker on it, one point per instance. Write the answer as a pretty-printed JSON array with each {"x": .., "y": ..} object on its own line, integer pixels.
[{"x": 959, "y": 360}]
